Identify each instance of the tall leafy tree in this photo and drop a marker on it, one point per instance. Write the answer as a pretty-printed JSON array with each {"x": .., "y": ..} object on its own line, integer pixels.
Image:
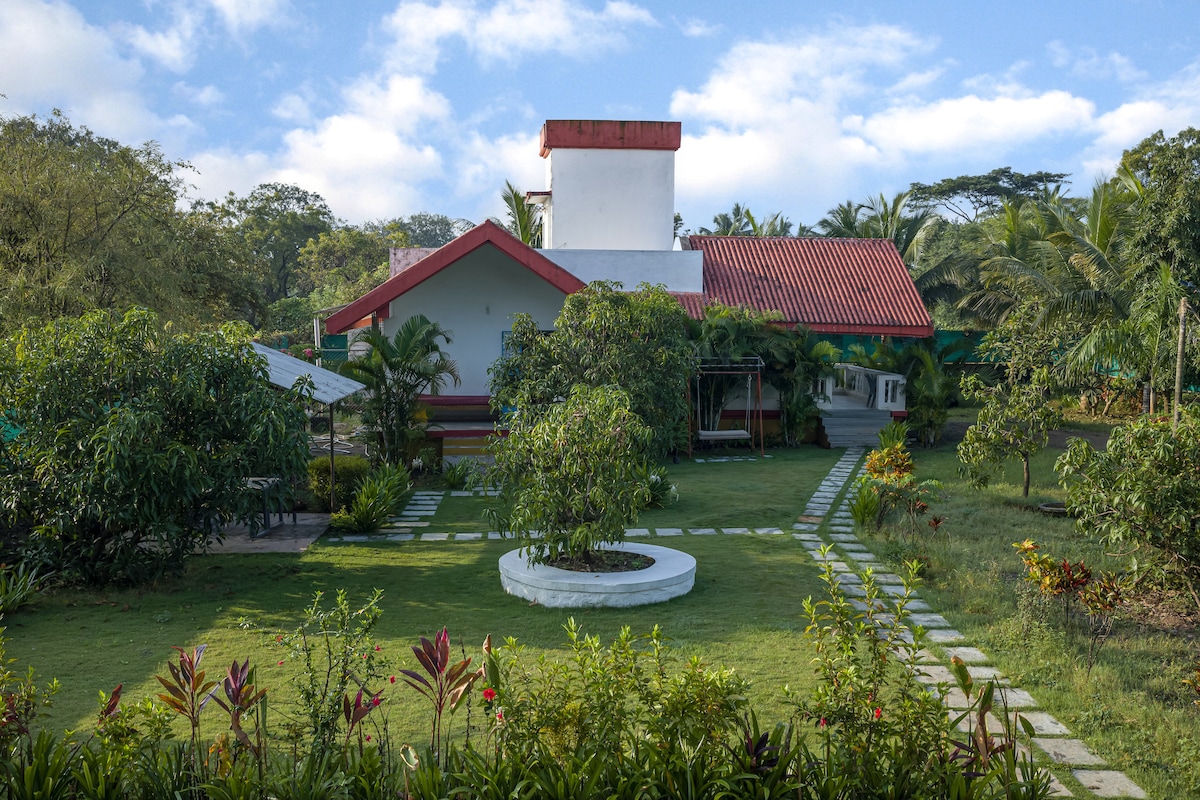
[
  {"x": 275, "y": 222},
  {"x": 604, "y": 336},
  {"x": 1017, "y": 414},
  {"x": 396, "y": 372},
  {"x": 969, "y": 197},
  {"x": 432, "y": 230},
  {"x": 740, "y": 221},
  {"x": 1167, "y": 225},
  {"x": 89, "y": 223},
  {"x": 880, "y": 218},
  {"x": 134, "y": 444},
  {"x": 348, "y": 261}
]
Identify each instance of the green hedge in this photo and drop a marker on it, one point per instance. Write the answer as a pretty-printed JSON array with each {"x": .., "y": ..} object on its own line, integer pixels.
[{"x": 349, "y": 471}]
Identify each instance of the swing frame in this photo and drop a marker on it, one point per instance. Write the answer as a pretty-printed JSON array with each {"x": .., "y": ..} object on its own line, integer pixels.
[{"x": 752, "y": 368}]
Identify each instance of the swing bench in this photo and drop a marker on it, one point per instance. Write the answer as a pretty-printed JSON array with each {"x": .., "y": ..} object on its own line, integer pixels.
[{"x": 752, "y": 369}]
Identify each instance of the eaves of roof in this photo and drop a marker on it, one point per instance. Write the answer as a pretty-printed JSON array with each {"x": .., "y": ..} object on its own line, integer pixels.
[{"x": 378, "y": 299}]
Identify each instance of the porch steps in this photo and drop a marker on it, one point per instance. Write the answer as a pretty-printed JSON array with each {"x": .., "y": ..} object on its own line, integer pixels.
[{"x": 857, "y": 427}]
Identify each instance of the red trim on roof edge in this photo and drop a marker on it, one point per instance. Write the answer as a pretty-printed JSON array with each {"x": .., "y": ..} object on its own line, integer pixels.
[
  {"x": 609, "y": 134},
  {"x": 378, "y": 299}
]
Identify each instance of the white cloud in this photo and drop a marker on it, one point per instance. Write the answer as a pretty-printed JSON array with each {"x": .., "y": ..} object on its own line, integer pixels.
[
  {"x": 1169, "y": 106},
  {"x": 50, "y": 57},
  {"x": 509, "y": 30},
  {"x": 175, "y": 47},
  {"x": 698, "y": 28},
  {"x": 292, "y": 108},
  {"x": 1087, "y": 63},
  {"x": 915, "y": 81},
  {"x": 483, "y": 165},
  {"x": 368, "y": 160},
  {"x": 246, "y": 16},
  {"x": 204, "y": 96},
  {"x": 972, "y": 124}
]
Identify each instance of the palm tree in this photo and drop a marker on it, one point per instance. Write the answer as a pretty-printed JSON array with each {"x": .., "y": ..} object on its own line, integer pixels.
[
  {"x": 886, "y": 220},
  {"x": 397, "y": 372},
  {"x": 844, "y": 222},
  {"x": 524, "y": 219},
  {"x": 732, "y": 223}
]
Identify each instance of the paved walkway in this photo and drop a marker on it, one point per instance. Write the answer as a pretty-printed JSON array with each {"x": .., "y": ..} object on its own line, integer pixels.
[{"x": 827, "y": 523}]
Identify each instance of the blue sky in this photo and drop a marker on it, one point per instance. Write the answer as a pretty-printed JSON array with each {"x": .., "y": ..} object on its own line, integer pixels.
[{"x": 389, "y": 108}]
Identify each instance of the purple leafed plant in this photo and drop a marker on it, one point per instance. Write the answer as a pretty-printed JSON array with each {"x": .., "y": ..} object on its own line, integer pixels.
[{"x": 445, "y": 684}]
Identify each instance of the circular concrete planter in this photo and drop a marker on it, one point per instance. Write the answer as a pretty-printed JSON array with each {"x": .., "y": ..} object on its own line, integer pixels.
[
  {"x": 672, "y": 574},
  {"x": 1053, "y": 509}
]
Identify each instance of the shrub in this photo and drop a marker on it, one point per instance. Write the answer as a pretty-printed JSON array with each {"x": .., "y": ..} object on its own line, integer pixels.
[
  {"x": 661, "y": 492},
  {"x": 349, "y": 472},
  {"x": 17, "y": 586},
  {"x": 1140, "y": 491},
  {"x": 135, "y": 443},
  {"x": 378, "y": 497},
  {"x": 462, "y": 475},
  {"x": 571, "y": 474}
]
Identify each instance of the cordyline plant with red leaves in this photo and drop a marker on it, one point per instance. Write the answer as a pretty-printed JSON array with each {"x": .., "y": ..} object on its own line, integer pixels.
[
  {"x": 241, "y": 697},
  {"x": 445, "y": 684},
  {"x": 187, "y": 692}
]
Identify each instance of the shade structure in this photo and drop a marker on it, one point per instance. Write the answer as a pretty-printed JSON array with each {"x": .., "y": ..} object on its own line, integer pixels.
[
  {"x": 328, "y": 388},
  {"x": 283, "y": 370}
]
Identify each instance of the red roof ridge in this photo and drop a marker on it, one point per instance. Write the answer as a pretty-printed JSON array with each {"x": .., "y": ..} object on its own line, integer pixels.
[{"x": 378, "y": 299}]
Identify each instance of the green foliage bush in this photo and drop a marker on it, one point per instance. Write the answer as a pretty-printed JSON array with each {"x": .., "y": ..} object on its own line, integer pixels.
[
  {"x": 136, "y": 443},
  {"x": 570, "y": 474},
  {"x": 1141, "y": 491},
  {"x": 378, "y": 497},
  {"x": 627, "y": 719},
  {"x": 349, "y": 472},
  {"x": 464, "y": 474}
]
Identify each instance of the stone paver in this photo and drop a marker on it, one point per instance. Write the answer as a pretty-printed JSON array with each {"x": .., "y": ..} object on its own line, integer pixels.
[
  {"x": 767, "y": 531},
  {"x": 843, "y": 537},
  {"x": 806, "y": 537},
  {"x": 928, "y": 620},
  {"x": 942, "y": 635},
  {"x": 434, "y": 537},
  {"x": 637, "y": 531},
  {"x": 970, "y": 655},
  {"x": 1069, "y": 751},
  {"x": 1108, "y": 783},
  {"x": 735, "y": 530},
  {"x": 401, "y": 537},
  {"x": 465, "y": 537},
  {"x": 1045, "y": 725},
  {"x": 702, "y": 531},
  {"x": 669, "y": 531}
]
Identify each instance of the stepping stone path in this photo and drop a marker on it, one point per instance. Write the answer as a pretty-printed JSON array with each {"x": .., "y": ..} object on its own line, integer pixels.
[{"x": 822, "y": 525}]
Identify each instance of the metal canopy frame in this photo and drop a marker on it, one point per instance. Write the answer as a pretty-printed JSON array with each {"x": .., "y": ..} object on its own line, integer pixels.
[{"x": 748, "y": 366}]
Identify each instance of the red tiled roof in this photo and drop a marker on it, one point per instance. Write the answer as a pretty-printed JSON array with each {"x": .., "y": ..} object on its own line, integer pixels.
[
  {"x": 858, "y": 286},
  {"x": 490, "y": 234}
]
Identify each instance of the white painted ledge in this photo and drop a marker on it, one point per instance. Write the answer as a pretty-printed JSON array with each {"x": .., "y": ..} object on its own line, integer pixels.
[{"x": 672, "y": 574}]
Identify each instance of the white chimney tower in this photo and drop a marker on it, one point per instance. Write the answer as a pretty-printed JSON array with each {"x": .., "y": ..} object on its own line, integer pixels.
[{"x": 612, "y": 184}]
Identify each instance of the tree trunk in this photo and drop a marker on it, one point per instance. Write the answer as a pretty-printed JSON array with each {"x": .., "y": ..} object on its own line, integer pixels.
[{"x": 1025, "y": 464}]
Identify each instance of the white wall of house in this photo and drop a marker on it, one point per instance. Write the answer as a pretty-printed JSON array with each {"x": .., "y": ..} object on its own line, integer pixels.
[
  {"x": 475, "y": 298},
  {"x": 610, "y": 199},
  {"x": 678, "y": 270}
]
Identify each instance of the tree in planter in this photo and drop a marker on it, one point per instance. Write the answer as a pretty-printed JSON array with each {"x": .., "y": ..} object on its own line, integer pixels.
[
  {"x": 397, "y": 372},
  {"x": 1017, "y": 416},
  {"x": 570, "y": 473},
  {"x": 134, "y": 445},
  {"x": 1140, "y": 491},
  {"x": 605, "y": 337}
]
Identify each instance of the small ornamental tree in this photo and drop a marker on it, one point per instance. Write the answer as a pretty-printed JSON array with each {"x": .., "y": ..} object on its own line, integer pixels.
[
  {"x": 570, "y": 474},
  {"x": 605, "y": 337},
  {"x": 1141, "y": 491},
  {"x": 133, "y": 445},
  {"x": 1017, "y": 415}
]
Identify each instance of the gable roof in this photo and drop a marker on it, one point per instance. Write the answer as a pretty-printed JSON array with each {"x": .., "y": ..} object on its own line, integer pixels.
[
  {"x": 490, "y": 234},
  {"x": 858, "y": 286}
]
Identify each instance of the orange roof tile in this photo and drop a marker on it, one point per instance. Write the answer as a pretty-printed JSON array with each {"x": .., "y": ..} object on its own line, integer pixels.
[{"x": 858, "y": 286}]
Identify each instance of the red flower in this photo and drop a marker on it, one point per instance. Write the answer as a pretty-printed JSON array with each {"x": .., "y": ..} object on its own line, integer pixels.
[
  {"x": 368, "y": 737},
  {"x": 377, "y": 648},
  {"x": 878, "y": 713},
  {"x": 823, "y": 723},
  {"x": 280, "y": 664},
  {"x": 392, "y": 679},
  {"x": 489, "y": 694},
  {"x": 376, "y": 701},
  {"x": 500, "y": 715},
  {"x": 365, "y": 655}
]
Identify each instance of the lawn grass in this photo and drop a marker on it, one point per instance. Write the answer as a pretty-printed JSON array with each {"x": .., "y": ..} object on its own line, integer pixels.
[
  {"x": 745, "y": 611},
  {"x": 1133, "y": 708}
]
